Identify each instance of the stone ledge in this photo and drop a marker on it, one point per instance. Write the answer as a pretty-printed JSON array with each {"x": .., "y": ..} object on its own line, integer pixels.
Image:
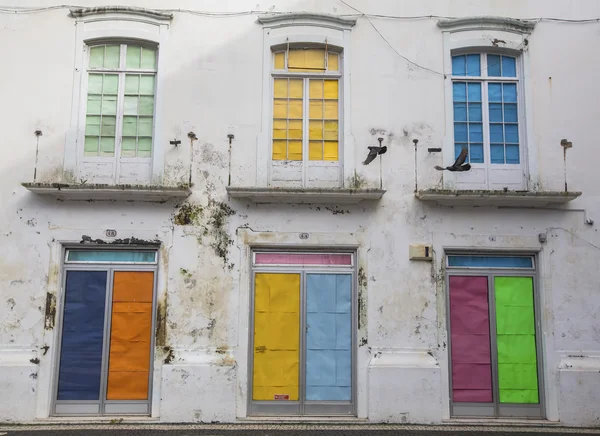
[
  {"x": 496, "y": 198},
  {"x": 101, "y": 192},
  {"x": 305, "y": 195}
]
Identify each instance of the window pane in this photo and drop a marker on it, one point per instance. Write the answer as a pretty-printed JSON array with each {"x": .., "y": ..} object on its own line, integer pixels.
[
  {"x": 315, "y": 150},
  {"x": 315, "y": 130},
  {"x": 111, "y": 256},
  {"x": 109, "y": 105},
  {"x": 496, "y": 133},
  {"x": 107, "y": 146},
  {"x": 316, "y": 88},
  {"x": 128, "y": 147},
  {"x": 460, "y": 112},
  {"x": 111, "y": 84},
  {"x": 148, "y": 58},
  {"x": 280, "y": 88},
  {"x": 91, "y": 145},
  {"x": 295, "y": 129},
  {"x": 129, "y": 126},
  {"x": 512, "y": 154},
  {"x": 459, "y": 67},
  {"x": 92, "y": 125},
  {"x": 495, "y": 92},
  {"x": 510, "y": 113},
  {"x": 458, "y": 148},
  {"x": 510, "y": 92},
  {"x": 130, "y": 105},
  {"x": 147, "y": 85},
  {"x": 474, "y": 111},
  {"x": 493, "y": 62},
  {"x": 295, "y": 108},
  {"x": 316, "y": 109},
  {"x": 95, "y": 84},
  {"x": 280, "y": 109},
  {"x": 279, "y": 60},
  {"x": 333, "y": 62},
  {"x": 331, "y": 130},
  {"x": 296, "y": 86},
  {"x": 94, "y": 104},
  {"x": 145, "y": 144},
  {"x": 331, "y": 151},
  {"x": 496, "y": 112},
  {"x": 491, "y": 261},
  {"x": 460, "y": 132},
  {"x": 509, "y": 67},
  {"x": 279, "y": 150},
  {"x": 512, "y": 133},
  {"x": 280, "y": 124},
  {"x": 473, "y": 65},
  {"x": 108, "y": 126},
  {"x": 295, "y": 150},
  {"x": 331, "y": 110},
  {"x": 145, "y": 126},
  {"x": 279, "y": 133},
  {"x": 459, "y": 90},
  {"x": 475, "y": 132},
  {"x": 134, "y": 56},
  {"x": 312, "y": 60},
  {"x": 331, "y": 89},
  {"x": 132, "y": 84},
  {"x": 315, "y": 59},
  {"x": 146, "y": 106},
  {"x": 97, "y": 57},
  {"x": 476, "y": 153},
  {"x": 112, "y": 55},
  {"x": 497, "y": 151},
  {"x": 475, "y": 92}
]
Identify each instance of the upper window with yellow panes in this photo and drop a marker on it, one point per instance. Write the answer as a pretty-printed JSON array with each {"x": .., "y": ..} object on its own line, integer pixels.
[{"x": 306, "y": 110}]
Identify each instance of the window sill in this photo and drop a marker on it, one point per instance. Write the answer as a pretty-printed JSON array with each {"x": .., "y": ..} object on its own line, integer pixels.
[
  {"x": 99, "y": 192},
  {"x": 496, "y": 198},
  {"x": 305, "y": 195}
]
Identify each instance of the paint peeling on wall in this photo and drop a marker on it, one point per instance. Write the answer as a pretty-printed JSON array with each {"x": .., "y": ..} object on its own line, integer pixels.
[{"x": 50, "y": 314}]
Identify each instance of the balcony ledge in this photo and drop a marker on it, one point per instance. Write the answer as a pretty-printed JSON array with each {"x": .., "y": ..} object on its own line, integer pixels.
[
  {"x": 100, "y": 192},
  {"x": 305, "y": 195},
  {"x": 538, "y": 199}
]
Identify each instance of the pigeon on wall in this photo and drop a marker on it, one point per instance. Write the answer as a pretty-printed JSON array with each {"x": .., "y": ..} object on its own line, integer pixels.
[
  {"x": 373, "y": 153},
  {"x": 459, "y": 164}
]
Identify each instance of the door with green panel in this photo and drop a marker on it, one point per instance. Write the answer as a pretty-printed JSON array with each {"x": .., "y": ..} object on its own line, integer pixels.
[{"x": 495, "y": 367}]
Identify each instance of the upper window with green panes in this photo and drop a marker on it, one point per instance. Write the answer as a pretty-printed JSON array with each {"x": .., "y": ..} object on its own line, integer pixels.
[
  {"x": 120, "y": 101},
  {"x": 485, "y": 95}
]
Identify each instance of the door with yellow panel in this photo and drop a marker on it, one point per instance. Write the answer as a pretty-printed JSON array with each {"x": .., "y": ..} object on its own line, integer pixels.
[
  {"x": 104, "y": 365},
  {"x": 302, "y": 334}
]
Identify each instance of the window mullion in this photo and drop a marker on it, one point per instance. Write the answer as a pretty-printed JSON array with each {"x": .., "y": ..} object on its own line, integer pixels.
[
  {"x": 305, "y": 124},
  {"x": 486, "y": 124},
  {"x": 120, "y": 104}
]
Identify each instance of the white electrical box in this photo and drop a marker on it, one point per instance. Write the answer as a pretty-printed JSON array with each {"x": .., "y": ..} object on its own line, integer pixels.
[{"x": 420, "y": 252}]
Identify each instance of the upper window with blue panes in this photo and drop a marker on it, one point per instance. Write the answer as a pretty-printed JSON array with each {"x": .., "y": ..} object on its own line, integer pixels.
[{"x": 486, "y": 109}]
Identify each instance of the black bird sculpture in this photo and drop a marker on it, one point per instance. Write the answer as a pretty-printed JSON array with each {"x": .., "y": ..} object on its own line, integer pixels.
[
  {"x": 459, "y": 164},
  {"x": 374, "y": 152}
]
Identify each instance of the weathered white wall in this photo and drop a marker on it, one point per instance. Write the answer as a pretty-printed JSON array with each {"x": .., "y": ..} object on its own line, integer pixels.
[{"x": 212, "y": 86}]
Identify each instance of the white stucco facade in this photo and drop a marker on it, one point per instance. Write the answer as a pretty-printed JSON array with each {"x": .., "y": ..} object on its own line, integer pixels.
[{"x": 213, "y": 80}]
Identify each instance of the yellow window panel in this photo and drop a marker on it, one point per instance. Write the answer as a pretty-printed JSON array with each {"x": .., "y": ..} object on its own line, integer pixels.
[
  {"x": 331, "y": 126},
  {"x": 294, "y": 109},
  {"x": 310, "y": 60},
  {"x": 315, "y": 150},
  {"x": 279, "y": 108},
  {"x": 333, "y": 62},
  {"x": 331, "y": 89},
  {"x": 280, "y": 88},
  {"x": 279, "y": 150},
  {"x": 296, "y": 88},
  {"x": 296, "y": 59},
  {"x": 316, "y": 110},
  {"x": 295, "y": 134},
  {"x": 331, "y": 150},
  {"x": 279, "y": 60},
  {"x": 295, "y": 124},
  {"x": 281, "y": 326},
  {"x": 261, "y": 330},
  {"x": 315, "y": 59},
  {"x": 279, "y": 134},
  {"x": 315, "y": 130},
  {"x": 330, "y": 136},
  {"x": 316, "y": 88},
  {"x": 331, "y": 110},
  {"x": 295, "y": 150},
  {"x": 280, "y": 124}
]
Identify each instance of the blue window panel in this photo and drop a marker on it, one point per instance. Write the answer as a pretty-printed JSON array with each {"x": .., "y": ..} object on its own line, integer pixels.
[
  {"x": 510, "y": 93},
  {"x": 475, "y": 132},
  {"x": 458, "y": 148},
  {"x": 493, "y": 62},
  {"x": 328, "y": 393},
  {"x": 496, "y": 133},
  {"x": 459, "y": 91},
  {"x": 320, "y": 332},
  {"x": 320, "y": 293},
  {"x": 460, "y": 132},
  {"x": 460, "y": 111},
  {"x": 474, "y": 90},
  {"x": 497, "y": 153},
  {"x": 512, "y": 154},
  {"x": 82, "y": 336},
  {"x": 459, "y": 65},
  {"x": 491, "y": 261},
  {"x": 320, "y": 367},
  {"x": 476, "y": 153},
  {"x": 111, "y": 256},
  {"x": 344, "y": 293},
  {"x": 495, "y": 92},
  {"x": 496, "y": 112},
  {"x": 510, "y": 113},
  {"x": 474, "y": 111},
  {"x": 511, "y": 132},
  {"x": 343, "y": 331},
  {"x": 509, "y": 67},
  {"x": 343, "y": 368},
  {"x": 473, "y": 65}
]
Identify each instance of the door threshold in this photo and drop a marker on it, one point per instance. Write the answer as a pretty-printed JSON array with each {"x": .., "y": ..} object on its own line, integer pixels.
[
  {"x": 106, "y": 419},
  {"x": 513, "y": 422},
  {"x": 312, "y": 419}
]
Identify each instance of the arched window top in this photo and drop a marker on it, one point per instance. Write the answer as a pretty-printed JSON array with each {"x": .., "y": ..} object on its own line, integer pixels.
[
  {"x": 307, "y": 19},
  {"x": 306, "y": 60},
  {"x": 120, "y": 10},
  {"x": 486, "y": 23}
]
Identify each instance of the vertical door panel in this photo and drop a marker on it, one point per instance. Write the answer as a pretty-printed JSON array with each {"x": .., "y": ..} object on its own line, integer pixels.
[
  {"x": 276, "y": 337},
  {"x": 515, "y": 332},
  {"x": 130, "y": 336},
  {"x": 329, "y": 337},
  {"x": 470, "y": 336},
  {"x": 82, "y": 336}
]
